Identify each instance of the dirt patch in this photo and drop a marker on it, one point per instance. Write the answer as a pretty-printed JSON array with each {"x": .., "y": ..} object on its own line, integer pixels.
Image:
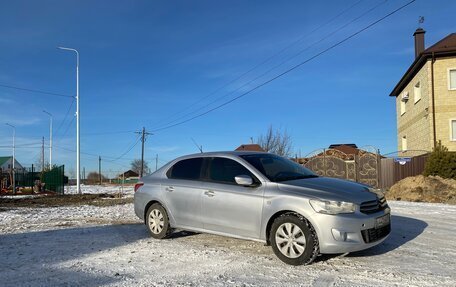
[
  {"x": 424, "y": 189},
  {"x": 102, "y": 199}
]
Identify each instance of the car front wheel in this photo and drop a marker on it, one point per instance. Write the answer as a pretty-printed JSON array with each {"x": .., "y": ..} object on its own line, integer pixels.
[
  {"x": 294, "y": 240},
  {"x": 157, "y": 221}
]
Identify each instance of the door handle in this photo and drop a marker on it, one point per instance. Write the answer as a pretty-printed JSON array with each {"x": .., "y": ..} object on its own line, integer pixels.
[
  {"x": 170, "y": 188},
  {"x": 209, "y": 193}
]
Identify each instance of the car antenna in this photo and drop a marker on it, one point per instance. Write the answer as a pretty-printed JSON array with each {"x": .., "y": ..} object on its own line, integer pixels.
[{"x": 200, "y": 148}]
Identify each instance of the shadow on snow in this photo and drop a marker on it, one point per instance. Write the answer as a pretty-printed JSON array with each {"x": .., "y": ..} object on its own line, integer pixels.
[{"x": 34, "y": 257}]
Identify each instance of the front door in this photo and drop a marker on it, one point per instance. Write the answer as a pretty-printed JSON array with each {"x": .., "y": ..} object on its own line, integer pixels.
[{"x": 228, "y": 207}]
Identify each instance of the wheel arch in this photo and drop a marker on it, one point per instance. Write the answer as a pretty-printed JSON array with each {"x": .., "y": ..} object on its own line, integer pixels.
[
  {"x": 149, "y": 205},
  {"x": 281, "y": 213}
]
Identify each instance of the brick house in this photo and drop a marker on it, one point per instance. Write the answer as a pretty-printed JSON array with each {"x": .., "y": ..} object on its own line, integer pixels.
[{"x": 426, "y": 97}]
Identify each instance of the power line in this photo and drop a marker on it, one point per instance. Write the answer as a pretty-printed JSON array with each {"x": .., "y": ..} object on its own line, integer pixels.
[
  {"x": 107, "y": 133},
  {"x": 290, "y": 69},
  {"x": 68, "y": 127},
  {"x": 128, "y": 150},
  {"x": 66, "y": 116},
  {"x": 36, "y": 91},
  {"x": 300, "y": 39},
  {"x": 279, "y": 64}
]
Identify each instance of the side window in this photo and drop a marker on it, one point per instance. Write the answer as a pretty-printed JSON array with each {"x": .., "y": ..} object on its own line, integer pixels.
[
  {"x": 224, "y": 170},
  {"x": 189, "y": 169}
]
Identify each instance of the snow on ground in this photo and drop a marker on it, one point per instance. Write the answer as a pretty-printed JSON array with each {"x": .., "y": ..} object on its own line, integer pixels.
[
  {"x": 95, "y": 189},
  {"x": 91, "y": 246}
]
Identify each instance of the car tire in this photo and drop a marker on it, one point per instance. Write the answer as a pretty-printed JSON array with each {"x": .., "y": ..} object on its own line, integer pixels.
[
  {"x": 157, "y": 221},
  {"x": 293, "y": 240}
]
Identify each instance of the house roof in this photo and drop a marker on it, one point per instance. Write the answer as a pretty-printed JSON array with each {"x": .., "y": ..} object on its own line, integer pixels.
[
  {"x": 249, "y": 147},
  {"x": 129, "y": 173},
  {"x": 4, "y": 159},
  {"x": 348, "y": 149},
  {"x": 443, "y": 48}
]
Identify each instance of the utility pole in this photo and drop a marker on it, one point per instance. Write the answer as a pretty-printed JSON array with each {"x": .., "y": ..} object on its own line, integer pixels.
[
  {"x": 50, "y": 139},
  {"x": 99, "y": 168},
  {"x": 42, "y": 155},
  {"x": 83, "y": 174},
  {"x": 143, "y": 139},
  {"x": 14, "y": 158},
  {"x": 156, "y": 161},
  {"x": 78, "y": 141}
]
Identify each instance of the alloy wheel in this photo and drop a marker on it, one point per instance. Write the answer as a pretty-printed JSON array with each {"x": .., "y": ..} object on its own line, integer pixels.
[{"x": 290, "y": 240}]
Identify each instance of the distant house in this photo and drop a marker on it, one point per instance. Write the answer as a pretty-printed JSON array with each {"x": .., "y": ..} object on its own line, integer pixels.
[
  {"x": 6, "y": 164},
  {"x": 346, "y": 152},
  {"x": 250, "y": 147},
  {"x": 129, "y": 175},
  {"x": 426, "y": 97}
]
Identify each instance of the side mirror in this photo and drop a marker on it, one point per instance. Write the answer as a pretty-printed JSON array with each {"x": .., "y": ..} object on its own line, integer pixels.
[{"x": 244, "y": 180}]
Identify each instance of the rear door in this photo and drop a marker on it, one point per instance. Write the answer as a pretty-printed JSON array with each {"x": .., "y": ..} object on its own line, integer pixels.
[
  {"x": 228, "y": 207},
  {"x": 183, "y": 191}
]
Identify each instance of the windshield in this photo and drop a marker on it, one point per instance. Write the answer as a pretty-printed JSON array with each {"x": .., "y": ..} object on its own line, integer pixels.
[{"x": 277, "y": 168}]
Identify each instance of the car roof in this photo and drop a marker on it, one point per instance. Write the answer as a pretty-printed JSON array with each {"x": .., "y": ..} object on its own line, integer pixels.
[{"x": 221, "y": 153}]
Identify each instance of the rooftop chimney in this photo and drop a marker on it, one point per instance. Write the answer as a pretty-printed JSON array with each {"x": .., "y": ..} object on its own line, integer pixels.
[{"x": 419, "y": 41}]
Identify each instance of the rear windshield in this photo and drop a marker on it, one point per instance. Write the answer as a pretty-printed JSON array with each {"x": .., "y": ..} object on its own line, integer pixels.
[{"x": 277, "y": 168}]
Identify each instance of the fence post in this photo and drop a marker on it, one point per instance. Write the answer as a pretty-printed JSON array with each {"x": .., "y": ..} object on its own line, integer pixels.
[
  {"x": 356, "y": 167},
  {"x": 324, "y": 161},
  {"x": 379, "y": 169}
]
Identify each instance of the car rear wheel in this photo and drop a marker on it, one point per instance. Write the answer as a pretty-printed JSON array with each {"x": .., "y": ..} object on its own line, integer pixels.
[
  {"x": 157, "y": 221},
  {"x": 294, "y": 240}
]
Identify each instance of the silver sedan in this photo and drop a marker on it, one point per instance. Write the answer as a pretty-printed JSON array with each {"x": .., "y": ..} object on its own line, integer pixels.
[{"x": 266, "y": 198}]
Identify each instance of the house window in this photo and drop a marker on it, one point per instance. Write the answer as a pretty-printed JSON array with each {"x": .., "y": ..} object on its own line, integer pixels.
[
  {"x": 404, "y": 143},
  {"x": 452, "y": 79},
  {"x": 404, "y": 99},
  {"x": 453, "y": 130},
  {"x": 417, "y": 92}
]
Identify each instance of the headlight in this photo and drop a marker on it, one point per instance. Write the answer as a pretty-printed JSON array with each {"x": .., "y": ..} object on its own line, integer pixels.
[{"x": 332, "y": 207}]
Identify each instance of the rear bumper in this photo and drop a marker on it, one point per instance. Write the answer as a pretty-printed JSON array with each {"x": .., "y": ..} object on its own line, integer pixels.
[
  {"x": 350, "y": 232},
  {"x": 139, "y": 203}
]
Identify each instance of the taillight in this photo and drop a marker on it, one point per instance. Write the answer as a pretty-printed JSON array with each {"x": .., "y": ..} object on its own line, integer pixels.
[{"x": 138, "y": 185}]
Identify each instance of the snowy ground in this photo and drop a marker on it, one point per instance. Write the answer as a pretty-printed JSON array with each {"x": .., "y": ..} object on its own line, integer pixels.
[
  {"x": 95, "y": 189},
  {"x": 92, "y": 246}
]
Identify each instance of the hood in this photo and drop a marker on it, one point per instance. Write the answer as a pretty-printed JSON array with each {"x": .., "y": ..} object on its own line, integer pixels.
[{"x": 329, "y": 189}]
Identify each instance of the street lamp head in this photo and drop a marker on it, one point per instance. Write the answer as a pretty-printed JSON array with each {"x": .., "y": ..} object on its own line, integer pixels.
[
  {"x": 10, "y": 125},
  {"x": 47, "y": 113}
]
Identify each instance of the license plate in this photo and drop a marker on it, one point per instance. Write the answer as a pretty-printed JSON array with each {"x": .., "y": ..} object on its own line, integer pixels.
[{"x": 382, "y": 221}]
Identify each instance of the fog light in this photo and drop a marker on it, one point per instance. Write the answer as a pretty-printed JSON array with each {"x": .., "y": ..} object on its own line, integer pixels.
[{"x": 339, "y": 235}]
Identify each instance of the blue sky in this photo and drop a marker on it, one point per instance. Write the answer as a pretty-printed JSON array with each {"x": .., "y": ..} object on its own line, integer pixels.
[{"x": 146, "y": 63}]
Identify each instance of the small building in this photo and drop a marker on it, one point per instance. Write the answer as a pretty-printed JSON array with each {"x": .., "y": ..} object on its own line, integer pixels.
[
  {"x": 6, "y": 164},
  {"x": 129, "y": 175},
  {"x": 249, "y": 147},
  {"x": 426, "y": 97}
]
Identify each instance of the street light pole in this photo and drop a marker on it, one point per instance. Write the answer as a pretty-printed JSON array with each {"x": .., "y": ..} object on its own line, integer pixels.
[
  {"x": 50, "y": 140},
  {"x": 78, "y": 151},
  {"x": 14, "y": 157}
]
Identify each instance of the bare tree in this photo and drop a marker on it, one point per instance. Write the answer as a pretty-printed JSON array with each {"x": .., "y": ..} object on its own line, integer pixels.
[
  {"x": 94, "y": 177},
  {"x": 136, "y": 166},
  {"x": 276, "y": 141}
]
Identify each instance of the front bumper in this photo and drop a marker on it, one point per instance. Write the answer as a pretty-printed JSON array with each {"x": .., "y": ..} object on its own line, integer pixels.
[{"x": 350, "y": 232}]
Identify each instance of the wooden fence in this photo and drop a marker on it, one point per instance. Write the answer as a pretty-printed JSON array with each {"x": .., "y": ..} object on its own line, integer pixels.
[{"x": 392, "y": 171}]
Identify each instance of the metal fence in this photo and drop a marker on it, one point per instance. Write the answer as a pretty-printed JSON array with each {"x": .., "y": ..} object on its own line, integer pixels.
[
  {"x": 367, "y": 166},
  {"x": 363, "y": 167},
  {"x": 54, "y": 179}
]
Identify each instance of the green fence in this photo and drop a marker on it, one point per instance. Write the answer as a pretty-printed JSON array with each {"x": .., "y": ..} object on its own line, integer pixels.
[{"x": 54, "y": 179}]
